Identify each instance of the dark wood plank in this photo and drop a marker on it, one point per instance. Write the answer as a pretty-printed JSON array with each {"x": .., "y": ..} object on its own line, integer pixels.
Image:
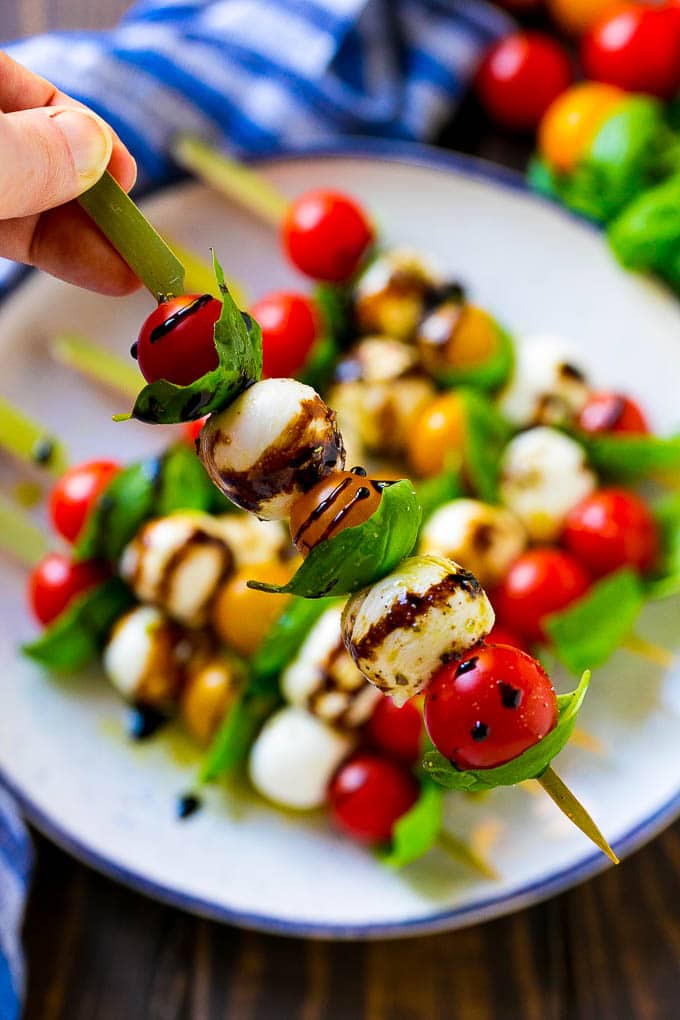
[{"x": 608, "y": 950}]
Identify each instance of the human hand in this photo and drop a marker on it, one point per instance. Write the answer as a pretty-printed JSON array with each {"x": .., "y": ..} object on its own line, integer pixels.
[{"x": 52, "y": 149}]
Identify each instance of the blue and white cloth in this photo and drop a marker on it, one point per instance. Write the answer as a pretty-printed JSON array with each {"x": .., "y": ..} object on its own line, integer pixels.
[{"x": 257, "y": 76}]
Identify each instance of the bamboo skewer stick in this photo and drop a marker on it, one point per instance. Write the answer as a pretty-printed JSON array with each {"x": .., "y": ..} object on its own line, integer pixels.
[
  {"x": 231, "y": 178},
  {"x": 28, "y": 441},
  {"x": 19, "y": 536},
  {"x": 77, "y": 352}
]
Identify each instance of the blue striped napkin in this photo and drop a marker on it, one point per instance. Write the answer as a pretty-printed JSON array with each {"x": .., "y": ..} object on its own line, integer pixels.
[{"x": 258, "y": 76}]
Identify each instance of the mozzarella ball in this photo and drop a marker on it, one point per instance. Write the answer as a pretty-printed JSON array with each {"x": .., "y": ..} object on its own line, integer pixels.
[
  {"x": 252, "y": 541},
  {"x": 380, "y": 416},
  {"x": 546, "y": 388},
  {"x": 377, "y": 359},
  {"x": 324, "y": 680},
  {"x": 179, "y": 563},
  {"x": 391, "y": 293},
  {"x": 294, "y": 758},
  {"x": 485, "y": 539},
  {"x": 274, "y": 442},
  {"x": 211, "y": 686},
  {"x": 400, "y": 630},
  {"x": 543, "y": 475},
  {"x": 145, "y": 656}
]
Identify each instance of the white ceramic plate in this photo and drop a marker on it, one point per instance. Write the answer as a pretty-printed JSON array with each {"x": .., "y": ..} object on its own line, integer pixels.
[{"x": 62, "y": 744}]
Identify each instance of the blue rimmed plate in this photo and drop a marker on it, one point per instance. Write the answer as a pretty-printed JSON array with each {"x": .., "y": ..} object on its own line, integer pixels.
[{"x": 62, "y": 744}]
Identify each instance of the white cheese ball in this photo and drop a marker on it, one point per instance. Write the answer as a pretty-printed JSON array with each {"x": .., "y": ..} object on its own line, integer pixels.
[
  {"x": 400, "y": 630},
  {"x": 294, "y": 758},
  {"x": 253, "y": 541},
  {"x": 179, "y": 563},
  {"x": 377, "y": 359},
  {"x": 276, "y": 441},
  {"x": 485, "y": 539},
  {"x": 546, "y": 388},
  {"x": 543, "y": 475},
  {"x": 143, "y": 657},
  {"x": 390, "y": 295},
  {"x": 379, "y": 416},
  {"x": 324, "y": 679}
]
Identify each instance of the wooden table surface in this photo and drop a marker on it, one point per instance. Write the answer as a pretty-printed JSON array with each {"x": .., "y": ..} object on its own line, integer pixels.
[{"x": 608, "y": 950}]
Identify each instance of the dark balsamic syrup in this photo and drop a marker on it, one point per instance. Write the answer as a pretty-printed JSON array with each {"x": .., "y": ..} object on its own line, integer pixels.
[
  {"x": 144, "y": 721},
  {"x": 187, "y": 805},
  {"x": 178, "y": 317}
]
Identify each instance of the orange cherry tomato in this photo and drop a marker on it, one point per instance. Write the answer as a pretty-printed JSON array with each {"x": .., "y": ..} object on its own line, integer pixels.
[
  {"x": 341, "y": 500},
  {"x": 437, "y": 435},
  {"x": 207, "y": 696},
  {"x": 243, "y": 616},
  {"x": 573, "y": 120}
]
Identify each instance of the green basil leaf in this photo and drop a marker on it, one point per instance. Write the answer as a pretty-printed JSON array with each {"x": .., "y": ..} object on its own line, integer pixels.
[
  {"x": 529, "y": 765},
  {"x": 591, "y": 629},
  {"x": 238, "y": 341},
  {"x": 261, "y": 695},
  {"x": 335, "y": 306},
  {"x": 666, "y": 579},
  {"x": 235, "y": 736},
  {"x": 283, "y": 641},
  {"x": 435, "y": 492},
  {"x": 358, "y": 556},
  {"x": 491, "y": 374},
  {"x": 631, "y": 150},
  {"x": 629, "y": 456},
  {"x": 486, "y": 435},
  {"x": 149, "y": 488},
  {"x": 646, "y": 234},
  {"x": 417, "y": 831},
  {"x": 77, "y": 635}
]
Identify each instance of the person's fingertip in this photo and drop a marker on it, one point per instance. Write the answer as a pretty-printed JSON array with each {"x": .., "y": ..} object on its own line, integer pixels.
[{"x": 88, "y": 139}]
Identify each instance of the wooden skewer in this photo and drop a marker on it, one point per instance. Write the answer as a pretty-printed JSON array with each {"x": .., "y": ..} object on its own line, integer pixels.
[
  {"x": 29, "y": 442},
  {"x": 565, "y": 800},
  {"x": 77, "y": 352},
  {"x": 231, "y": 178},
  {"x": 19, "y": 536},
  {"x": 653, "y": 653},
  {"x": 467, "y": 855}
]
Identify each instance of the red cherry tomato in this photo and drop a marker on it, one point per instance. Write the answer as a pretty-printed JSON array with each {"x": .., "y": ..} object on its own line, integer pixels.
[
  {"x": 57, "y": 580},
  {"x": 501, "y": 635},
  {"x": 636, "y": 47},
  {"x": 326, "y": 235},
  {"x": 75, "y": 494},
  {"x": 612, "y": 412},
  {"x": 542, "y": 581},
  {"x": 290, "y": 326},
  {"x": 488, "y": 707},
  {"x": 610, "y": 529},
  {"x": 191, "y": 430},
  {"x": 176, "y": 342},
  {"x": 396, "y": 730},
  {"x": 368, "y": 794},
  {"x": 520, "y": 77}
]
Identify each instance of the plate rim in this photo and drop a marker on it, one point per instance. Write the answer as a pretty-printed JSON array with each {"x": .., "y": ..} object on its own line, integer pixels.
[{"x": 483, "y": 909}]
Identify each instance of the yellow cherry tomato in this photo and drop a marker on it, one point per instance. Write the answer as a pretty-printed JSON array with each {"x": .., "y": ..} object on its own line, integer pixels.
[
  {"x": 437, "y": 436},
  {"x": 456, "y": 337},
  {"x": 207, "y": 696},
  {"x": 243, "y": 616},
  {"x": 576, "y": 16},
  {"x": 573, "y": 120}
]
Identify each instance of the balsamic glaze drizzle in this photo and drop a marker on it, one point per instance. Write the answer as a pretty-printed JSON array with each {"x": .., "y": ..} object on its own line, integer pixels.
[{"x": 178, "y": 317}]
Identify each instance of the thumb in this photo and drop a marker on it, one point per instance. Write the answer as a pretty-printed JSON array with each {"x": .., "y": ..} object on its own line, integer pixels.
[{"x": 49, "y": 156}]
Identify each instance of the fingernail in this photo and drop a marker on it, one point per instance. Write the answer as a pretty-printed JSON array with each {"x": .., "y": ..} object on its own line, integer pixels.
[{"x": 89, "y": 141}]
